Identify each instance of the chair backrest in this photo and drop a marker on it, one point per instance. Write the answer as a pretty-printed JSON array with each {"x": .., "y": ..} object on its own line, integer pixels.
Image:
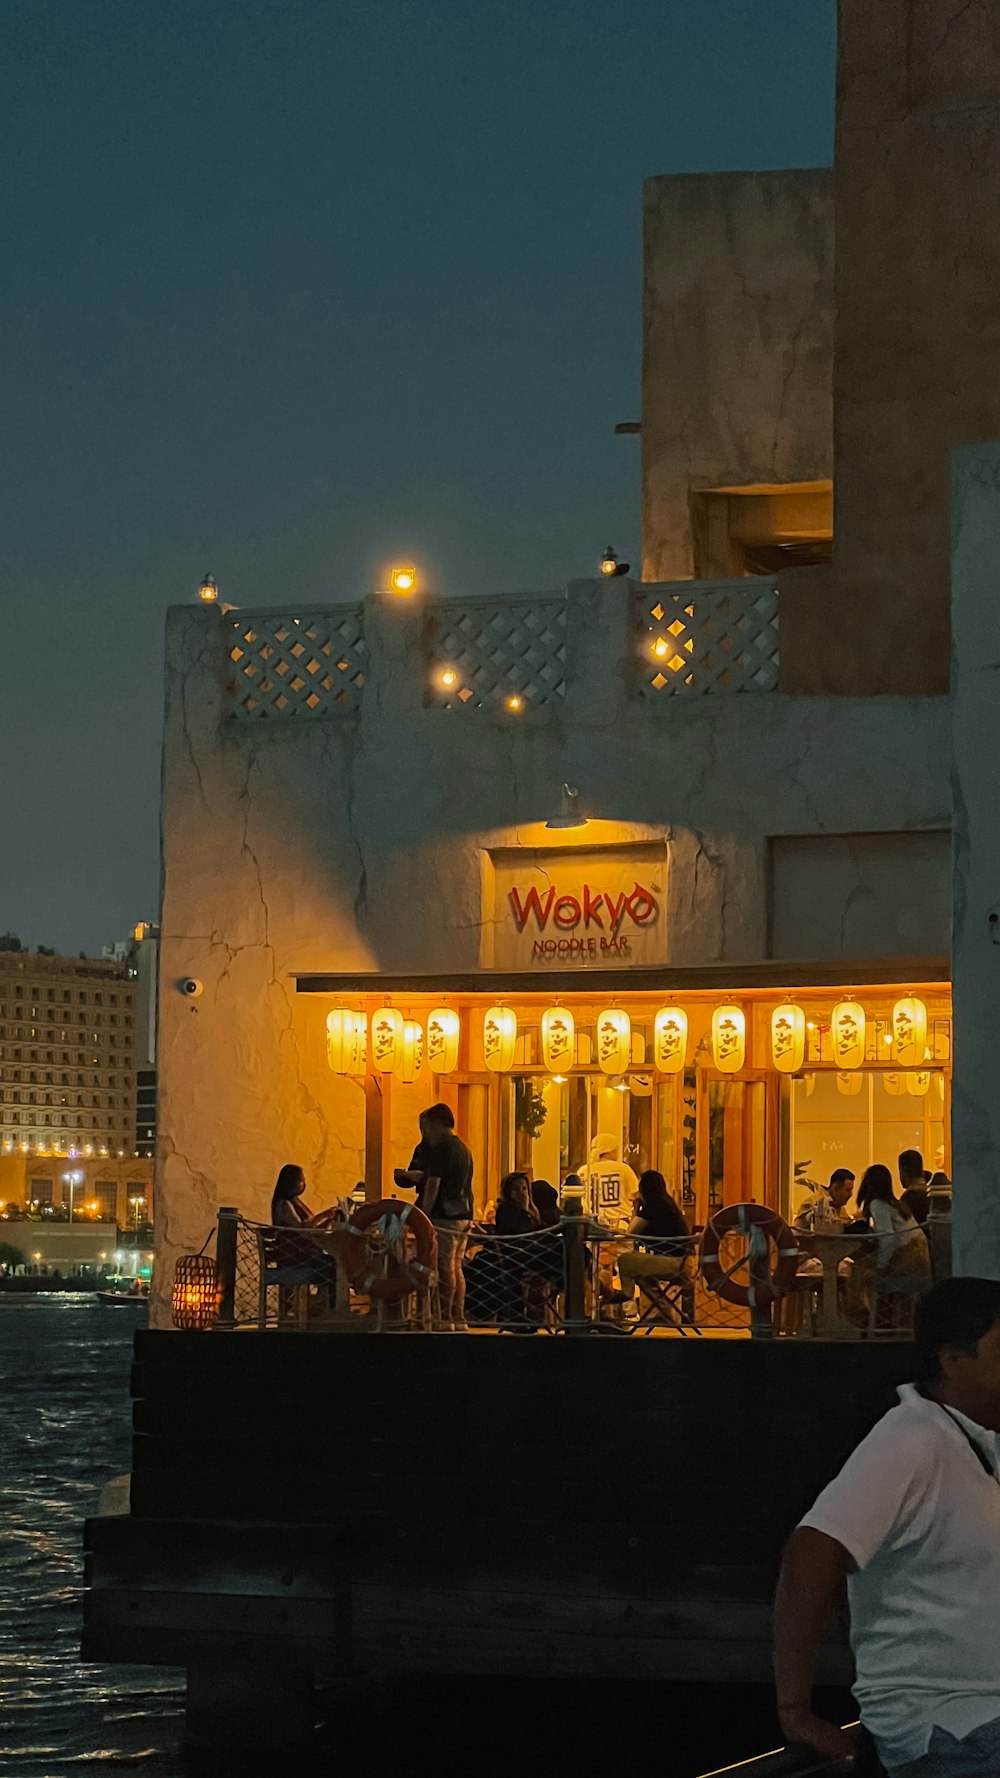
[{"x": 276, "y": 1251}]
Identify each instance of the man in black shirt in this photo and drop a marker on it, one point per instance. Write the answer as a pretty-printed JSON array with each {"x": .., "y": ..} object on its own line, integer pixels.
[{"x": 441, "y": 1170}]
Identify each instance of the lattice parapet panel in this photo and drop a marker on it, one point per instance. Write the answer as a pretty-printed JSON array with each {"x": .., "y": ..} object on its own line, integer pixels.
[
  {"x": 697, "y": 636},
  {"x": 497, "y": 655},
  {"x": 282, "y": 666}
]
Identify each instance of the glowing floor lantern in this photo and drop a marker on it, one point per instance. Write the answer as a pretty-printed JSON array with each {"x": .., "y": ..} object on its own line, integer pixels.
[
  {"x": 729, "y": 1038},
  {"x": 788, "y": 1038},
  {"x": 499, "y": 1038},
  {"x": 670, "y": 1037},
  {"x": 409, "y": 1052},
  {"x": 443, "y": 1032},
  {"x": 196, "y": 1297},
  {"x": 848, "y": 1028},
  {"x": 909, "y": 1031},
  {"x": 613, "y": 1040},
  {"x": 558, "y": 1039},
  {"x": 387, "y": 1036},
  {"x": 346, "y": 1034}
]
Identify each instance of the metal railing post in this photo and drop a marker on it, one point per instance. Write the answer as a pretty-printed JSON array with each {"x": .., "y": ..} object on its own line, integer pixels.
[
  {"x": 225, "y": 1260},
  {"x": 575, "y": 1297}
]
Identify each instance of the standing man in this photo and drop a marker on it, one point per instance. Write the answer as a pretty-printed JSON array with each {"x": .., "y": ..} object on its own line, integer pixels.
[
  {"x": 913, "y": 1184},
  {"x": 441, "y": 1170},
  {"x": 912, "y": 1522}
]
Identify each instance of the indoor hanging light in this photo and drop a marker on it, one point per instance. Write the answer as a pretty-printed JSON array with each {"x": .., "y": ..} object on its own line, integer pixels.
[
  {"x": 909, "y": 1030},
  {"x": 788, "y": 1038},
  {"x": 894, "y": 1084},
  {"x": 850, "y": 1082},
  {"x": 848, "y": 1028},
  {"x": 729, "y": 1038},
  {"x": 558, "y": 1039},
  {"x": 387, "y": 1034},
  {"x": 670, "y": 1036},
  {"x": 918, "y": 1083},
  {"x": 499, "y": 1038},
  {"x": 346, "y": 1032},
  {"x": 613, "y": 1040},
  {"x": 409, "y": 1052},
  {"x": 444, "y": 1029}
]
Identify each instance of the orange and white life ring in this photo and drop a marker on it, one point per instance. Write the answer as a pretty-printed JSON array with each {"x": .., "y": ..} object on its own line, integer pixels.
[
  {"x": 394, "y": 1220},
  {"x": 742, "y": 1219}
]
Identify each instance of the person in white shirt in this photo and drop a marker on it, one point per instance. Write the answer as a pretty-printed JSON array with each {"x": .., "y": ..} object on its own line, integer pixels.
[
  {"x": 913, "y": 1523},
  {"x": 827, "y": 1201},
  {"x": 611, "y": 1184}
]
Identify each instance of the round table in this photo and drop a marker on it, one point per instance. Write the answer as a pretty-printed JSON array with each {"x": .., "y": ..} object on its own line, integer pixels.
[{"x": 831, "y": 1247}]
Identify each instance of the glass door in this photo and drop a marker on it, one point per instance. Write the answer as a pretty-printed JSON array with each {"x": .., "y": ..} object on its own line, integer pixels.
[{"x": 736, "y": 1141}]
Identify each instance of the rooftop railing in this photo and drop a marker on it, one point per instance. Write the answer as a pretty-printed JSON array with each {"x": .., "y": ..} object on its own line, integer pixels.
[{"x": 510, "y": 656}]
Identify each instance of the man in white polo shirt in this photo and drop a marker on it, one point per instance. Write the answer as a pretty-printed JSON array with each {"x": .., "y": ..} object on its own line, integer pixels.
[{"x": 913, "y": 1523}]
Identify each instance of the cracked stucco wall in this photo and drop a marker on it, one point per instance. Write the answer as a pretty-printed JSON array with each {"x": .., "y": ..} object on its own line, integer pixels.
[
  {"x": 737, "y": 343},
  {"x": 356, "y": 843}
]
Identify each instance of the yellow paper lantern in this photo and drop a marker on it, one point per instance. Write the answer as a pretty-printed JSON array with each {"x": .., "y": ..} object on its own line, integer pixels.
[
  {"x": 729, "y": 1038},
  {"x": 848, "y": 1029},
  {"x": 387, "y": 1035},
  {"x": 894, "y": 1084},
  {"x": 850, "y": 1083},
  {"x": 918, "y": 1084},
  {"x": 909, "y": 1031},
  {"x": 788, "y": 1038},
  {"x": 409, "y": 1052},
  {"x": 443, "y": 1032},
  {"x": 346, "y": 1034},
  {"x": 499, "y": 1038},
  {"x": 558, "y": 1039},
  {"x": 613, "y": 1037},
  {"x": 670, "y": 1037}
]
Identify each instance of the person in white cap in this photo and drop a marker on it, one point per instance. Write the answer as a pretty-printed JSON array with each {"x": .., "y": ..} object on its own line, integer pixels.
[{"x": 611, "y": 1184}]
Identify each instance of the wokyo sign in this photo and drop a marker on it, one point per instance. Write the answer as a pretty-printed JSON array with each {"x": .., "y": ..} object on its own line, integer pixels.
[{"x": 553, "y": 909}]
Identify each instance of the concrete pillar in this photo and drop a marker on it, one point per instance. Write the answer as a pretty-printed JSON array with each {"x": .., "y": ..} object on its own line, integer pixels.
[{"x": 975, "y": 695}]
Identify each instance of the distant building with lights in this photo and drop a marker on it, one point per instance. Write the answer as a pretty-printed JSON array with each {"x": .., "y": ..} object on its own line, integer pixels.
[
  {"x": 67, "y": 1053},
  {"x": 140, "y": 955}
]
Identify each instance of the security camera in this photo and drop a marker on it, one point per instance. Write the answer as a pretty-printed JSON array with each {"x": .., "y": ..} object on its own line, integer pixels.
[{"x": 191, "y": 987}]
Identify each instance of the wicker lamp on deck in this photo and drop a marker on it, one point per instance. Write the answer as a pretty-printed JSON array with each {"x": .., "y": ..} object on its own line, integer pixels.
[{"x": 196, "y": 1297}]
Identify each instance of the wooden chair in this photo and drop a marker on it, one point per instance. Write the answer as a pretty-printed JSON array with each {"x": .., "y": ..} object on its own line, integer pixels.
[{"x": 273, "y": 1274}]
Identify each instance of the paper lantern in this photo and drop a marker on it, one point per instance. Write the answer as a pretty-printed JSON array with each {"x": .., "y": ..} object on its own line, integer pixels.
[
  {"x": 909, "y": 1031},
  {"x": 848, "y": 1028},
  {"x": 409, "y": 1052},
  {"x": 499, "y": 1038},
  {"x": 613, "y": 1037},
  {"x": 346, "y": 1045},
  {"x": 196, "y": 1297},
  {"x": 918, "y": 1084},
  {"x": 850, "y": 1083},
  {"x": 558, "y": 1039},
  {"x": 894, "y": 1084},
  {"x": 788, "y": 1038},
  {"x": 443, "y": 1031},
  {"x": 387, "y": 1035},
  {"x": 729, "y": 1038},
  {"x": 939, "y": 1083},
  {"x": 670, "y": 1037}
]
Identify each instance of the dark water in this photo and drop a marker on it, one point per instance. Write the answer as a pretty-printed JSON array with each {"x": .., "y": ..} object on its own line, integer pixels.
[{"x": 64, "y": 1364}]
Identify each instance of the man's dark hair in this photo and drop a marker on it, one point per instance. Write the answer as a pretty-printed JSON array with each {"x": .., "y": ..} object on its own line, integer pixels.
[
  {"x": 840, "y": 1173},
  {"x": 957, "y": 1313},
  {"x": 911, "y": 1164},
  {"x": 440, "y": 1114}
]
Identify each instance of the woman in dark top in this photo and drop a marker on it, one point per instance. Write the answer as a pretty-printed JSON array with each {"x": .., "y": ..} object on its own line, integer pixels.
[
  {"x": 545, "y": 1200},
  {"x": 290, "y": 1211},
  {"x": 658, "y": 1218},
  {"x": 514, "y": 1216}
]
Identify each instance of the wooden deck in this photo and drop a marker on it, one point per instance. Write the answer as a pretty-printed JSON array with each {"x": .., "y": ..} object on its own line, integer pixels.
[{"x": 478, "y": 1506}]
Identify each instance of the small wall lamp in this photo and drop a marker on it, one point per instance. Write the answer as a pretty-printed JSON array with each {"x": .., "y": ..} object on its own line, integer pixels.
[
  {"x": 610, "y": 565},
  {"x": 208, "y": 592},
  {"x": 569, "y": 809}
]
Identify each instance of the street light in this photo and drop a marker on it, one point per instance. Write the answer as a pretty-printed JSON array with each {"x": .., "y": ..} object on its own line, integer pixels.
[
  {"x": 72, "y": 1180},
  {"x": 136, "y": 1204}
]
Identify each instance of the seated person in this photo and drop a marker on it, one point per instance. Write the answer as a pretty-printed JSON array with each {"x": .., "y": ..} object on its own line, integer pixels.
[
  {"x": 837, "y": 1195},
  {"x": 514, "y": 1215},
  {"x": 290, "y": 1211},
  {"x": 545, "y": 1200},
  {"x": 660, "y": 1218}
]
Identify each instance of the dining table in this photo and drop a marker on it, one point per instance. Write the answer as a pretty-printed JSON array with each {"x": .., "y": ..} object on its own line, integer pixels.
[{"x": 832, "y": 1246}]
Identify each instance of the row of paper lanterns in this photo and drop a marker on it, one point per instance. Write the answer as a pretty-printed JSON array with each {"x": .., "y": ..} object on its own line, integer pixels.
[{"x": 399, "y": 1045}]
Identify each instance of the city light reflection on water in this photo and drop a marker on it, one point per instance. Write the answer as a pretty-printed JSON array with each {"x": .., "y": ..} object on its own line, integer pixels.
[{"x": 64, "y": 1362}]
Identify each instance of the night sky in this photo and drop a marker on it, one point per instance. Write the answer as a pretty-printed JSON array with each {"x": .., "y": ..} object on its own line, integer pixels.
[{"x": 291, "y": 288}]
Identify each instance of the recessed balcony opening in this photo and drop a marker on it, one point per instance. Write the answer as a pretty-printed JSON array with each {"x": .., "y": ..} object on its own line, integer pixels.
[{"x": 761, "y": 529}]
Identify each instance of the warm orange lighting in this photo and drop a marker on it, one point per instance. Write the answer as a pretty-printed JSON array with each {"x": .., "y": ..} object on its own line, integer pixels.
[
  {"x": 847, "y": 1030},
  {"x": 387, "y": 1034},
  {"x": 346, "y": 1040},
  {"x": 447, "y": 677},
  {"x": 613, "y": 1040},
  {"x": 514, "y": 702},
  {"x": 499, "y": 1038},
  {"x": 850, "y": 1083},
  {"x": 729, "y": 1038},
  {"x": 196, "y": 1297},
  {"x": 208, "y": 593},
  {"x": 788, "y": 1038},
  {"x": 403, "y": 579},
  {"x": 670, "y": 1036},
  {"x": 894, "y": 1084},
  {"x": 918, "y": 1084},
  {"x": 661, "y": 648},
  {"x": 558, "y": 1039},
  {"x": 410, "y": 1052},
  {"x": 909, "y": 1030},
  {"x": 444, "y": 1029}
]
